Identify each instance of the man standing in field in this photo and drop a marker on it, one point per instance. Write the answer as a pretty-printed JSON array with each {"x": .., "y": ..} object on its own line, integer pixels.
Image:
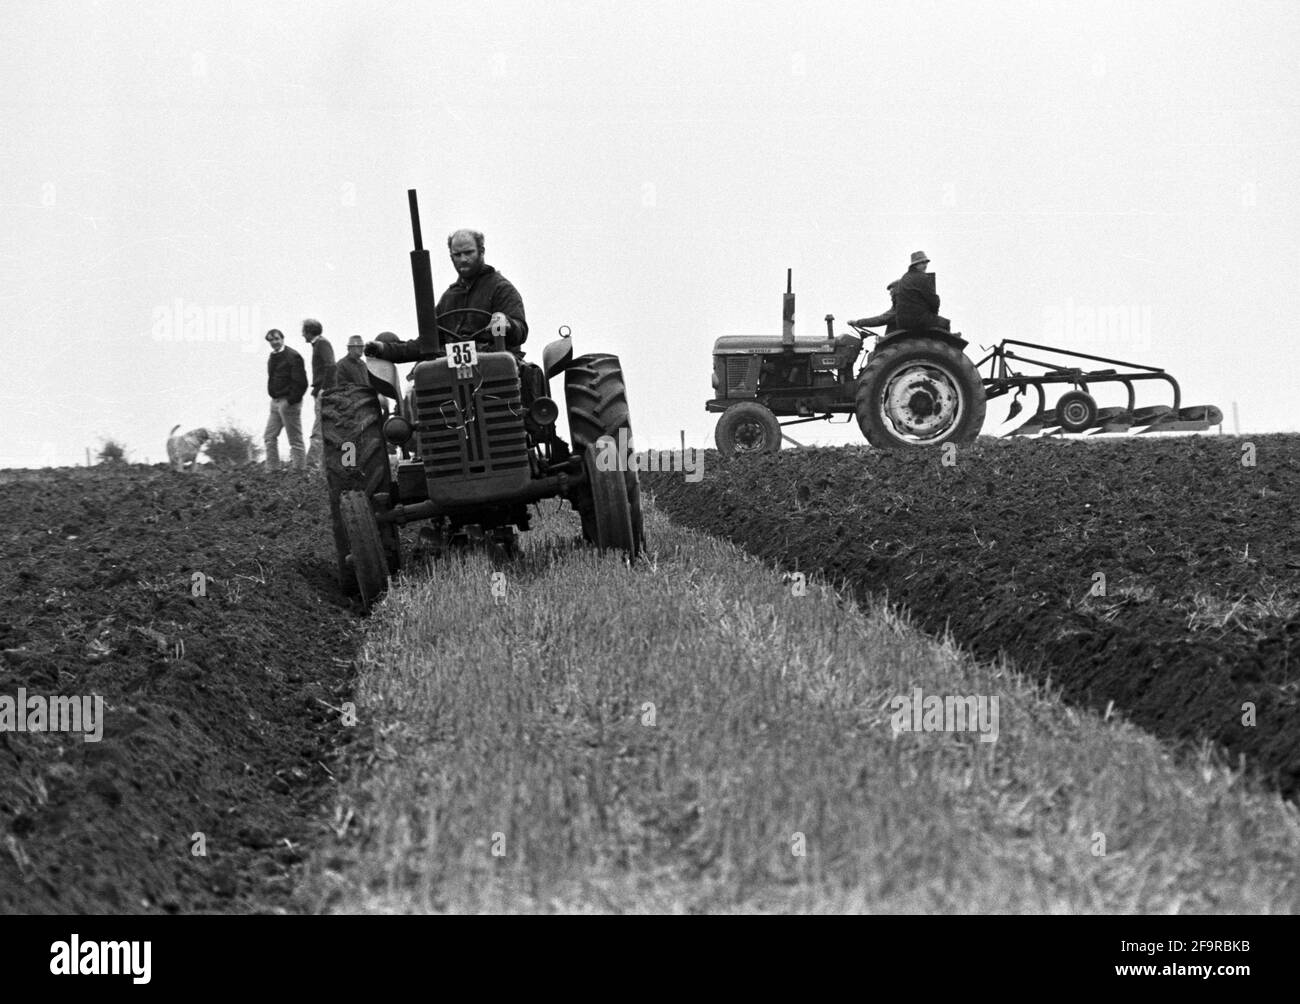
[
  {"x": 322, "y": 377},
  {"x": 286, "y": 383}
]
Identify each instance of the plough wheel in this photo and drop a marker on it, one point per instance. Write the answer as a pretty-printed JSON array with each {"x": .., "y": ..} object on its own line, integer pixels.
[{"x": 1076, "y": 411}]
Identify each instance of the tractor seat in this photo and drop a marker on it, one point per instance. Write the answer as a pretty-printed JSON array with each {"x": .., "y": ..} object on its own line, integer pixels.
[{"x": 935, "y": 329}]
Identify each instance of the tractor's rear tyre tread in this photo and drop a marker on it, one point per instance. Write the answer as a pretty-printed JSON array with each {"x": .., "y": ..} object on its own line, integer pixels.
[
  {"x": 369, "y": 562},
  {"x": 351, "y": 414},
  {"x": 611, "y": 508},
  {"x": 596, "y": 398},
  {"x": 889, "y": 358}
]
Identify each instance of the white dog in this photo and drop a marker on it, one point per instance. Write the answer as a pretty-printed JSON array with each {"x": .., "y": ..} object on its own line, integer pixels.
[{"x": 183, "y": 451}]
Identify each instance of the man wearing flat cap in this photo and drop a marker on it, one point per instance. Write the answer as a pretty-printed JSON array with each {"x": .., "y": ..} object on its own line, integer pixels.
[
  {"x": 916, "y": 304},
  {"x": 352, "y": 367}
]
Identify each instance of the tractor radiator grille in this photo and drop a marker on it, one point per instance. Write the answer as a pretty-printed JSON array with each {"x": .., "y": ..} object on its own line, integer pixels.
[
  {"x": 738, "y": 375},
  {"x": 472, "y": 430}
]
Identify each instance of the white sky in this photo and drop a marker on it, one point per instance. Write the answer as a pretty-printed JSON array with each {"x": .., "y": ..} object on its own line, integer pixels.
[{"x": 644, "y": 173}]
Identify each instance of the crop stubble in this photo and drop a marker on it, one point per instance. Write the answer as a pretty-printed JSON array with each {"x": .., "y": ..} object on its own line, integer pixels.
[{"x": 1005, "y": 544}]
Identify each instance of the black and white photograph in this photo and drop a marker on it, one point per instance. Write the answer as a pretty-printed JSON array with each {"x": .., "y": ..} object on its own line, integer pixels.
[{"x": 650, "y": 459}]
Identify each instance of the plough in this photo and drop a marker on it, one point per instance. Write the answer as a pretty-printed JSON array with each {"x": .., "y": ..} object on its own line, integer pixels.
[{"x": 1077, "y": 411}]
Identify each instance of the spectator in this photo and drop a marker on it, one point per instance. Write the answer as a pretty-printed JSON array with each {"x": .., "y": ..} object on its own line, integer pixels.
[
  {"x": 286, "y": 383},
  {"x": 352, "y": 367},
  {"x": 322, "y": 376}
]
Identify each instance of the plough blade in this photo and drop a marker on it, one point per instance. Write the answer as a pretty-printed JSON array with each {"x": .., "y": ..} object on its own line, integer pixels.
[
  {"x": 1114, "y": 420},
  {"x": 1149, "y": 416},
  {"x": 1206, "y": 413},
  {"x": 1196, "y": 418},
  {"x": 1036, "y": 424}
]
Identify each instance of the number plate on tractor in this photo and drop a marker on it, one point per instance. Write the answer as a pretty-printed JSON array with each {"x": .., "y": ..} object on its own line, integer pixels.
[{"x": 462, "y": 354}]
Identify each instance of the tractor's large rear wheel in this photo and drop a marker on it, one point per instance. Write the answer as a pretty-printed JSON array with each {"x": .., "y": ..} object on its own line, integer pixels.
[
  {"x": 919, "y": 392},
  {"x": 747, "y": 427},
  {"x": 366, "y": 550},
  {"x": 596, "y": 397},
  {"x": 611, "y": 508},
  {"x": 356, "y": 459}
]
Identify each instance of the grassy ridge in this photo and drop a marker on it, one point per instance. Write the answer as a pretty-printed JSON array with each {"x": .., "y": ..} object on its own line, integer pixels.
[{"x": 660, "y": 739}]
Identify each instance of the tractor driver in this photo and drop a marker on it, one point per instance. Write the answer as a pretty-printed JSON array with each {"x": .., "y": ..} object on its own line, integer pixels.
[
  {"x": 916, "y": 304},
  {"x": 887, "y": 317},
  {"x": 849, "y": 347},
  {"x": 479, "y": 286}
]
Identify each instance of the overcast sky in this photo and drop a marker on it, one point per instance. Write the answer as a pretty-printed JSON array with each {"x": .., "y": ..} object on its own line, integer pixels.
[{"x": 644, "y": 173}]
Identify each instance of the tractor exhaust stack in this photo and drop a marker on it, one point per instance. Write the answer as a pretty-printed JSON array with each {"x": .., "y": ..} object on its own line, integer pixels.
[
  {"x": 787, "y": 311},
  {"x": 422, "y": 278}
]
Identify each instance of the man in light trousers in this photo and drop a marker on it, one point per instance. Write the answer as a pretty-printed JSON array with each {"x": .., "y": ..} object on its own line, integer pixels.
[{"x": 286, "y": 383}]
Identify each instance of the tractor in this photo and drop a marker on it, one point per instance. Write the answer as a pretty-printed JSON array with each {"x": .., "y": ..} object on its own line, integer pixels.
[
  {"x": 917, "y": 388},
  {"x": 473, "y": 443}
]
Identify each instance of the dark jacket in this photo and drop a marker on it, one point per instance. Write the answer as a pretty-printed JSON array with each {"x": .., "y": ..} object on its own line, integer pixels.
[
  {"x": 915, "y": 301},
  {"x": 349, "y": 370},
  {"x": 286, "y": 376},
  {"x": 490, "y": 291},
  {"x": 887, "y": 318},
  {"x": 322, "y": 365}
]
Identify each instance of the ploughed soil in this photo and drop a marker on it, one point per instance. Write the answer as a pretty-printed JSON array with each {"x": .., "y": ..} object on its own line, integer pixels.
[
  {"x": 1160, "y": 574},
  {"x": 203, "y": 609}
]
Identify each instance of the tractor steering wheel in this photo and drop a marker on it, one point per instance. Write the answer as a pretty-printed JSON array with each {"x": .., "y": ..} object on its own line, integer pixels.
[{"x": 458, "y": 336}]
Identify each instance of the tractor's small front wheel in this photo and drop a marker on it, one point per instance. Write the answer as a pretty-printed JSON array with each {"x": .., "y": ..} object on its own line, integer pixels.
[
  {"x": 747, "y": 427},
  {"x": 365, "y": 548},
  {"x": 1076, "y": 411}
]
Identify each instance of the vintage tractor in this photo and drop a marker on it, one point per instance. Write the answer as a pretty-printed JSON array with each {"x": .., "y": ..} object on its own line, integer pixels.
[
  {"x": 917, "y": 388},
  {"x": 476, "y": 443}
]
